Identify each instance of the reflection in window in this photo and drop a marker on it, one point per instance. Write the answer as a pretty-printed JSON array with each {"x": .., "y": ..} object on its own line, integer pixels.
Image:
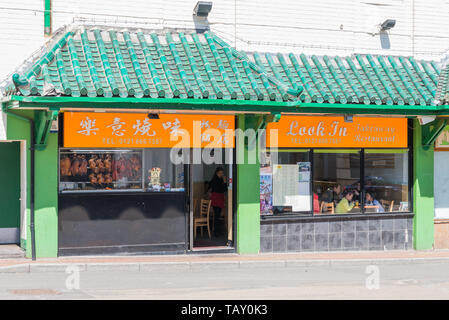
[
  {"x": 160, "y": 174},
  {"x": 82, "y": 170},
  {"x": 336, "y": 181},
  {"x": 285, "y": 183},
  {"x": 386, "y": 181}
]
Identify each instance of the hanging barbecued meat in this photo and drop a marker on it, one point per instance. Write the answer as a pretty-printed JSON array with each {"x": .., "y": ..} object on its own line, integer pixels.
[
  {"x": 93, "y": 179},
  {"x": 135, "y": 167},
  {"x": 64, "y": 165},
  {"x": 92, "y": 164},
  {"x": 83, "y": 166},
  {"x": 75, "y": 167},
  {"x": 107, "y": 163},
  {"x": 114, "y": 170},
  {"x": 108, "y": 179},
  {"x": 100, "y": 178},
  {"x": 100, "y": 164},
  {"x": 128, "y": 168},
  {"x": 121, "y": 168}
]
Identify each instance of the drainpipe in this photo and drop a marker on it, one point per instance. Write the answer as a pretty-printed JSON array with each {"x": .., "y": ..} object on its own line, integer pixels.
[
  {"x": 47, "y": 18},
  {"x": 32, "y": 150}
]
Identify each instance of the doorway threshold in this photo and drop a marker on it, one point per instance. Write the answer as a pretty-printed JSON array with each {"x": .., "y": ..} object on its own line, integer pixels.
[{"x": 212, "y": 249}]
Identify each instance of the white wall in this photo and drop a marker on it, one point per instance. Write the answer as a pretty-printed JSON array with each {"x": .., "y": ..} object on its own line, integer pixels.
[{"x": 311, "y": 26}]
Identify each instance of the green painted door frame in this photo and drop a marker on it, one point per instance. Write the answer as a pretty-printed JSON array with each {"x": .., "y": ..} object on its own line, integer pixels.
[
  {"x": 423, "y": 193},
  {"x": 9, "y": 189},
  {"x": 248, "y": 191},
  {"x": 46, "y": 188}
]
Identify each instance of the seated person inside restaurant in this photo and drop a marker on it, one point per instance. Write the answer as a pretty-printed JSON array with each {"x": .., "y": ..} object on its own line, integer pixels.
[
  {"x": 346, "y": 204},
  {"x": 357, "y": 192},
  {"x": 371, "y": 201},
  {"x": 332, "y": 194}
]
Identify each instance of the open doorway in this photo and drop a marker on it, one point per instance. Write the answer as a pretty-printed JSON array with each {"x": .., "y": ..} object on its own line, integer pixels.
[
  {"x": 11, "y": 192},
  {"x": 212, "y": 205}
]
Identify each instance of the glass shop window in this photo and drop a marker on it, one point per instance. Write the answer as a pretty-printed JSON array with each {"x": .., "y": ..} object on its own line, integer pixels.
[
  {"x": 336, "y": 181},
  {"x": 386, "y": 181},
  {"x": 119, "y": 170},
  {"x": 285, "y": 182},
  {"x": 95, "y": 170},
  {"x": 160, "y": 172}
]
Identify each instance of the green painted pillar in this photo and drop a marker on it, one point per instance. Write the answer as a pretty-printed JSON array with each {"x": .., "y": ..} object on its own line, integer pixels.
[
  {"x": 423, "y": 196},
  {"x": 46, "y": 199},
  {"x": 46, "y": 189},
  {"x": 248, "y": 192}
]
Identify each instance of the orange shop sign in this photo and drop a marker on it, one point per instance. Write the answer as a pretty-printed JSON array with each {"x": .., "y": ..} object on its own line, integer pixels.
[
  {"x": 334, "y": 132},
  {"x": 136, "y": 130}
]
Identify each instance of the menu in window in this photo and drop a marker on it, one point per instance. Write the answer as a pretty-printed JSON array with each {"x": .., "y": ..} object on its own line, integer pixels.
[{"x": 288, "y": 190}]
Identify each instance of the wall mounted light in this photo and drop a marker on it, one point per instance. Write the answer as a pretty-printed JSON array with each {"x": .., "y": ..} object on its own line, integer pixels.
[
  {"x": 348, "y": 118},
  {"x": 387, "y": 24},
  {"x": 202, "y": 8},
  {"x": 153, "y": 116}
]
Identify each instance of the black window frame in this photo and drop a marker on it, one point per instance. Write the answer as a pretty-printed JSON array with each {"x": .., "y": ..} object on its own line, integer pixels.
[{"x": 311, "y": 213}]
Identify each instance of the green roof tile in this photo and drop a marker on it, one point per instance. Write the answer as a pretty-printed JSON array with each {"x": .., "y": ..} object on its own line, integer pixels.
[{"x": 112, "y": 63}]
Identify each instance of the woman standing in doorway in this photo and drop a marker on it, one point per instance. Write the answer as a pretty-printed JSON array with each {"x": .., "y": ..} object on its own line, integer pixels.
[{"x": 218, "y": 186}]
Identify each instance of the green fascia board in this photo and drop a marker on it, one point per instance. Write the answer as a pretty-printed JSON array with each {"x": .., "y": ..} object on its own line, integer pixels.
[
  {"x": 225, "y": 105},
  {"x": 155, "y": 103},
  {"x": 408, "y": 110}
]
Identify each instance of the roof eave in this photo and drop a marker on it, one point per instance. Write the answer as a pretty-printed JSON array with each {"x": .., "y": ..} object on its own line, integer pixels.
[{"x": 218, "y": 105}]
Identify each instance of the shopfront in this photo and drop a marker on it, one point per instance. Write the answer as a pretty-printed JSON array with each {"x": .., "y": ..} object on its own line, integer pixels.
[
  {"x": 126, "y": 180},
  {"x": 336, "y": 183},
  {"x": 127, "y": 169}
]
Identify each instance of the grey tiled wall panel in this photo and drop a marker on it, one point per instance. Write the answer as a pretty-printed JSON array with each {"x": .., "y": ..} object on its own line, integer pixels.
[{"x": 336, "y": 234}]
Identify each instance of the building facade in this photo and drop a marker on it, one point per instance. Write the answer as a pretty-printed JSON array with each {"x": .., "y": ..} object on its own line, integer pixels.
[{"x": 353, "y": 122}]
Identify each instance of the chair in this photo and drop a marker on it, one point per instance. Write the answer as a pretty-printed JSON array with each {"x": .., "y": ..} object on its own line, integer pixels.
[
  {"x": 202, "y": 220},
  {"x": 388, "y": 205},
  {"x": 327, "y": 205},
  {"x": 195, "y": 204}
]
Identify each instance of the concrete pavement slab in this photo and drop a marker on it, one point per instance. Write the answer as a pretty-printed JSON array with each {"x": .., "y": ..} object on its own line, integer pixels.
[
  {"x": 113, "y": 267},
  {"x": 17, "y": 268},
  {"x": 214, "y": 265},
  {"x": 164, "y": 266}
]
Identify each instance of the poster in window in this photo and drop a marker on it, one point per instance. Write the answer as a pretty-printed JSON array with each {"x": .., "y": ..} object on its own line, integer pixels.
[
  {"x": 288, "y": 191},
  {"x": 266, "y": 191},
  {"x": 304, "y": 171}
]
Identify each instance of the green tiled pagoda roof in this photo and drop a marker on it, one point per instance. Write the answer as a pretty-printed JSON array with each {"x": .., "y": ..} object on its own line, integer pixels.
[
  {"x": 99, "y": 63},
  {"x": 442, "y": 96}
]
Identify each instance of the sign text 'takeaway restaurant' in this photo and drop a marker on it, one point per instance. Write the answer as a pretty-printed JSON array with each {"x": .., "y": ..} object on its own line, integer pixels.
[
  {"x": 136, "y": 130},
  {"x": 334, "y": 132}
]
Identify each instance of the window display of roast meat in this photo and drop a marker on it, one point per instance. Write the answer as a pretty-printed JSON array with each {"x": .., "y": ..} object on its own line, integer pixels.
[
  {"x": 99, "y": 170},
  {"x": 83, "y": 166},
  {"x": 64, "y": 165}
]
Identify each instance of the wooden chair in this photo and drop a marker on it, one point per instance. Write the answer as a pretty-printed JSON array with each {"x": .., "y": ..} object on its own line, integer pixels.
[
  {"x": 328, "y": 206},
  {"x": 388, "y": 205},
  {"x": 195, "y": 204},
  {"x": 202, "y": 220}
]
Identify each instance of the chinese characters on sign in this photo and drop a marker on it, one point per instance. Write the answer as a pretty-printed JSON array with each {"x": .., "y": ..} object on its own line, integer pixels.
[{"x": 118, "y": 130}]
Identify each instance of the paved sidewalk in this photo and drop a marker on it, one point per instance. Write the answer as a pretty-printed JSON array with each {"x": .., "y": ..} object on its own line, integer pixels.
[{"x": 194, "y": 261}]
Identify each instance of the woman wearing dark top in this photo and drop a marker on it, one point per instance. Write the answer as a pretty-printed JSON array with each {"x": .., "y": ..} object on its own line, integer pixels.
[{"x": 218, "y": 187}]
